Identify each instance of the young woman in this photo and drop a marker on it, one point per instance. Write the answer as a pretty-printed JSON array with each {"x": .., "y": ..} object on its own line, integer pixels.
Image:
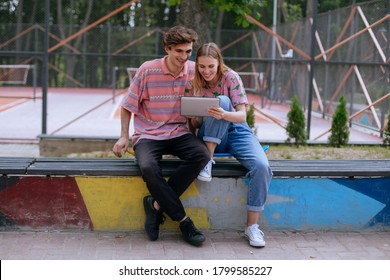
[{"x": 226, "y": 131}]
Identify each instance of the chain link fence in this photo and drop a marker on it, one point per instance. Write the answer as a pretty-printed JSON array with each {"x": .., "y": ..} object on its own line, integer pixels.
[{"x": 351, "y": 58}]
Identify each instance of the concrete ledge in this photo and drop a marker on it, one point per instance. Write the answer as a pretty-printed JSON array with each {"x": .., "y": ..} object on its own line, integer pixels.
[
  {"x": 56, "y": 146},
  {"x": 60, "y": 145}
]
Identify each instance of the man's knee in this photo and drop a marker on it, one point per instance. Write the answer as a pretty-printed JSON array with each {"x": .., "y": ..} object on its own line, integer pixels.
[{"x": 149, "y": 170}]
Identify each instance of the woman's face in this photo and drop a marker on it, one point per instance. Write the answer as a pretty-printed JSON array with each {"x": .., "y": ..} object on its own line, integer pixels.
[{"x": 208, "y": 68}]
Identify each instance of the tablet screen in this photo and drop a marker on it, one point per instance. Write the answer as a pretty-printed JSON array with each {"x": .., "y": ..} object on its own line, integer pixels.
[{"x": 197, "y": 106}]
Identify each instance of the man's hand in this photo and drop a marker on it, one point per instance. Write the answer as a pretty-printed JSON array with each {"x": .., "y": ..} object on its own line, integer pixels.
[{"x": 121, "y": 146}]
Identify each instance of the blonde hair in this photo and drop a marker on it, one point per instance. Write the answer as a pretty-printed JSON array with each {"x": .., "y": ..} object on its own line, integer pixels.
[{"x": 210, "y": 50}]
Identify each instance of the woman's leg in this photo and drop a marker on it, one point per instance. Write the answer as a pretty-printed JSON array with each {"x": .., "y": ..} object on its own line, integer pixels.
[
  {"x": 245, "y": 147},
  {"x": 252, "y": 217},
  {"x": 214, "y": 133}
]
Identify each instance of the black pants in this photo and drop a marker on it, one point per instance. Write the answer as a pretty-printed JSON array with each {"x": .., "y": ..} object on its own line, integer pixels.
[{"x": 195, "y": 156}]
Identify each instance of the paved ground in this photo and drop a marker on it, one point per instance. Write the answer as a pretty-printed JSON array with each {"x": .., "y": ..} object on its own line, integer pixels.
[
  {"x": 281, "y": 245},
  {"x": 19, "y": 150}
]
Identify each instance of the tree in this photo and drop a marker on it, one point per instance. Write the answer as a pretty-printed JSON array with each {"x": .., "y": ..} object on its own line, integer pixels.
[
  {"x": 386, "y": 137},
  {"x": 195, "y": 13},
  {"x": 340, "y": 131},
  {"x": 71, "y": 61},
  {"x": 296, "y": 123}
]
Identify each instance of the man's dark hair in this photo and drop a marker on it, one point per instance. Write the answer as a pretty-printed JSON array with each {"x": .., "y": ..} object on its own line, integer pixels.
[{"x": 179, "y": 35}]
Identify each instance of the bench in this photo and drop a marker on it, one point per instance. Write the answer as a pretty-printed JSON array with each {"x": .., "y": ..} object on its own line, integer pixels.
[
  {"x": 106, "y": 194},
  {"x": 10, "y": 166},
  {"x": 253, "y": 81},
  {"x": 17, "y": 74}
]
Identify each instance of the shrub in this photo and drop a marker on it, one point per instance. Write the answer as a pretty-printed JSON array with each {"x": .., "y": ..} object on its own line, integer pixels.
[
  {"x": 296, "y": 123},
  {"x": 250, "y": 116},
  {"x": 340, "y": 130}
]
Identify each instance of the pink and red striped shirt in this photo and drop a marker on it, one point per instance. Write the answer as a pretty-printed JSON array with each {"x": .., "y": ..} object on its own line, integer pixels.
[{"x": 154, "y": 99}]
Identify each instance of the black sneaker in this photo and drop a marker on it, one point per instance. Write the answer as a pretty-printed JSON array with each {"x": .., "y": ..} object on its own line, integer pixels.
[
  {"x": 190, "y": 233},
  {"x": 153, "y": 220}
]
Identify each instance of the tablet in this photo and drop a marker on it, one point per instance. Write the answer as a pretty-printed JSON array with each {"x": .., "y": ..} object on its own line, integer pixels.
[{"x": 197, "y": 106}]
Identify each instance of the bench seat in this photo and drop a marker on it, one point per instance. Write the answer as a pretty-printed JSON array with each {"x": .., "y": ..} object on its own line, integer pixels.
[{"x": 223, "y": 167}]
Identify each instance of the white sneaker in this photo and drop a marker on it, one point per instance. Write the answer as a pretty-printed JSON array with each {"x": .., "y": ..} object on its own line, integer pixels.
[
  {"x": 205, "y": 174},
  {"x": 255, "y": 236}
]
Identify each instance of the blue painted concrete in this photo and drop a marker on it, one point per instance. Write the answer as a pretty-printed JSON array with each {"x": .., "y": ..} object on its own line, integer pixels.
[{"x": 324, "y": 203}]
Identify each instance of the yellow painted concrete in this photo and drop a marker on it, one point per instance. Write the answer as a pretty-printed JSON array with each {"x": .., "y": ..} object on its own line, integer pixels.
[{"x": 116, "y": 203}]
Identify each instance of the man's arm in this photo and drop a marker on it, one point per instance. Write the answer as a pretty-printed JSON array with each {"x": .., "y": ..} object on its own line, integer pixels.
[{"x": 122, "y": 144}]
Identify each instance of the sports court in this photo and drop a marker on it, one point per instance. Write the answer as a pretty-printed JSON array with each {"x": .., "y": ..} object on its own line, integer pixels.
[
  {"x": 95, "y": 113},
  {"x": 276, "y": 65}
]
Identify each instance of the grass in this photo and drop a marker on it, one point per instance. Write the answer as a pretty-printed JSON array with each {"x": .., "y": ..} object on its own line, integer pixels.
[
  {"x": 328, "y": 152},
  {"x": 282, "y": 151}
]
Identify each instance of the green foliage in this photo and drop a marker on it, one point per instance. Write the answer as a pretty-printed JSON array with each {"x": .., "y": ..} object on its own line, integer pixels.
[
  {"x": 340, "y": 131},
  {"x": 294, "y": 11},
  {"x": 386, "y": 133},
  {"x": 250, "y": 116},
  {"x": 238, "y": 7},
  {"x": 296, "y": 123}
]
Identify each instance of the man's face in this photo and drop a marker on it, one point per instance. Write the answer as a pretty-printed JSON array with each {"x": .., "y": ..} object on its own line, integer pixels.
[{"x": 178, "y": 55}]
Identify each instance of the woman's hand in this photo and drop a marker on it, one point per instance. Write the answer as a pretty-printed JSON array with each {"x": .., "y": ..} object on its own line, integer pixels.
[
  {"x": 239, "y": 115},
  {"x": 216, "y": 112}
]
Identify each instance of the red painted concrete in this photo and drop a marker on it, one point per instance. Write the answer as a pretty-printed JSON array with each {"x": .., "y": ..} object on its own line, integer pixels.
[{"x": 45, "y": 202}]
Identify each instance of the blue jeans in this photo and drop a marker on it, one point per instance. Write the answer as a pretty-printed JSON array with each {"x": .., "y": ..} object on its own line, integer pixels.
[
  {"x": 195, "y": 156},
  {"x": 239, "y": 140}
]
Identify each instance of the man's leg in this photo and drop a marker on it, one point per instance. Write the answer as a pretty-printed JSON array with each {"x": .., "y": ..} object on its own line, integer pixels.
[
  {"x": 195, "y": 156},
  {"x": 149, "y": 153}
]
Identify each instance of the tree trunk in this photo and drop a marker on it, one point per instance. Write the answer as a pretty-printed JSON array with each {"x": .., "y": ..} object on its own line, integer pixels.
[
  {"x": 219, "y": 28},
  {"x": 283, "y": 10},
  {"x": 71, "y": 60},
  {"x": 19, "y": 26},
  {"x": 31, "y": 20},
  {"x": 193, "y": 15}
]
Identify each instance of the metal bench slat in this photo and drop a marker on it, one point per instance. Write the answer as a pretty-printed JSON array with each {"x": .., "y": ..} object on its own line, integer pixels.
[{"x": 222, "y": 168}]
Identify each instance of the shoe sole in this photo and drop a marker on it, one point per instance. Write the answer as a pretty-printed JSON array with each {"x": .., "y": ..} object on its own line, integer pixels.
[
  {"x": 197, "y": 244},
  {"x": 204, "y": 179},
  {"x": 254, "y": 244}
]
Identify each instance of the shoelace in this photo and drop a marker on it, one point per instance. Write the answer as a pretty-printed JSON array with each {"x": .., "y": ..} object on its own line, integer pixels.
[
  {"x": 257, "y": 232},
  {"x": 208, "y": 166},
  {"x": 192, "y": 231}
]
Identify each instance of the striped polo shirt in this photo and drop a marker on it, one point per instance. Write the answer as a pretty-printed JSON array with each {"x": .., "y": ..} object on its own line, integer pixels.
[{"x": 154, "y": 99}]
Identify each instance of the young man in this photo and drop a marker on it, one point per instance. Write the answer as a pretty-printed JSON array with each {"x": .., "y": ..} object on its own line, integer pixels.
[{"x": 154, "y": 100}]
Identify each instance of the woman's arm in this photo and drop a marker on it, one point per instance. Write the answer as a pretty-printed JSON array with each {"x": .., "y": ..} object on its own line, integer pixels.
[{"x": 220, "y": 114}]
